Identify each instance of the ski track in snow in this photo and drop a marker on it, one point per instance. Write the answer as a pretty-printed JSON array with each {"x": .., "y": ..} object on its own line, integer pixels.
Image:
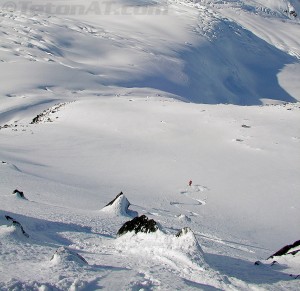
[
  {"x": 91, "y": 107},
  {"x": 93, "y": 236}
]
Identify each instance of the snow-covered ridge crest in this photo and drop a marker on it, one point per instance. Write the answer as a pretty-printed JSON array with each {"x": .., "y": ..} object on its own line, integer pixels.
[{"x": 119, "y": 206}]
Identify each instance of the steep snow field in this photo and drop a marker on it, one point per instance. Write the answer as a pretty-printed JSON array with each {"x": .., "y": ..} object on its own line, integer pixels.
[{"x": 142, "y": 97}]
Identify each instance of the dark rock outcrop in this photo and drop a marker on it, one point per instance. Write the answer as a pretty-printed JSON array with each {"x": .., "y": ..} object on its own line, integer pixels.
[
  {"x": 114, "y": 200},
  {"x": 139, "y": 224},
  {"x": 19, "y": 194},
  {"x": 37, "y": 119},
  {"x": 17, "y": 225},
  {"x": 294, "y": 252},
  {"x": 285, "y": 250}
]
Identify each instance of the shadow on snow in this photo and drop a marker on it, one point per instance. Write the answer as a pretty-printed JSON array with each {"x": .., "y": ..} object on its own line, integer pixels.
[
  {"x": 233, "y": 66},
  {"x": 246, "y": 270}
]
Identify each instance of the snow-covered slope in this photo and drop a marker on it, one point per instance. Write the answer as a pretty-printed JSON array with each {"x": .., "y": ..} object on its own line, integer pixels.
[
  {"x": 195, "y": 51},
  {"x": 142, "y": 97}
]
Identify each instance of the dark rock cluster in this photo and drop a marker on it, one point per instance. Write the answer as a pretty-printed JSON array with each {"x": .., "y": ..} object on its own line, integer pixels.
[
  {"x": 285, "y": 250},
  {"x": 45, "y": 115},
  {"x": 139, "y": 224}
]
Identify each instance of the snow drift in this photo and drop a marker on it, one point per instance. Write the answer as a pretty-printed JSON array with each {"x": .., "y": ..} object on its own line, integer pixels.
[
  {"x": 144, "y": 236},
  {"x": 128, "y": 130},
  {"x": 287, "y": 258},
  {"x": 64, "y": 255}
]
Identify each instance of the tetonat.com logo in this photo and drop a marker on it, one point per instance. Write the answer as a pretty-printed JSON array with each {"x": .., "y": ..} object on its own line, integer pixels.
[{"x": 104, "y": 7}]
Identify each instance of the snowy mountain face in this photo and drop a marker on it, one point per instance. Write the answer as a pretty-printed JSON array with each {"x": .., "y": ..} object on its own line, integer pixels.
[
  {"x": 205, "y": 52},
  {"x": 190, "y": 108}
]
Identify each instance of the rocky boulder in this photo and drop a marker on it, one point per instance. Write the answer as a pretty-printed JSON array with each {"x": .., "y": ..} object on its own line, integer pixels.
[{"x": 139, "y": 224}]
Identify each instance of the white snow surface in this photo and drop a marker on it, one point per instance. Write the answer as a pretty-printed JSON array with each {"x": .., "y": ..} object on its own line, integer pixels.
[{"x": 142, "y": 97}]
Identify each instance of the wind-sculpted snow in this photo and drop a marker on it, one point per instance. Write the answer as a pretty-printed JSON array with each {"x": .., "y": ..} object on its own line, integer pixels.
[
  {"x": 119, "y": 206},
  {"x": 19, "y": 194},
  {"x": 151, "y": 146},
  {"x": 216, "y": 61},
  {"x": 185, "y": 248},
  {"x": 14, "y": 228},
  {"x": 180, "y": 252},
  {"x": 217, "y": 185},
  {"x": 287, "y": 258},
  {"x": 64, "y": 256}
]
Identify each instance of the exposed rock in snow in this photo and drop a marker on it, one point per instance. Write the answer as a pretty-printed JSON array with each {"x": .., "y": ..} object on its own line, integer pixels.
[
  {"x": 145, "y": 235},
  {"x": 288, "y": 249},
  {"x": 181, "y": 249},
  {"x": 287, "y": 257},
  {"x": 183, "y": 231},
  {"x": 46, "y": 115},
  {"x": 19, "y": 194},
  {"x": 114, "y": 200},
  {"x": 139, "y": 224},
  {"x": 63, "y": 255},
  {"x": 188, "y": 240},
  {"x": 17, "y": 226},
  {"x": 139, "y": 125},
  {"x": 119, "y": 206}
]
